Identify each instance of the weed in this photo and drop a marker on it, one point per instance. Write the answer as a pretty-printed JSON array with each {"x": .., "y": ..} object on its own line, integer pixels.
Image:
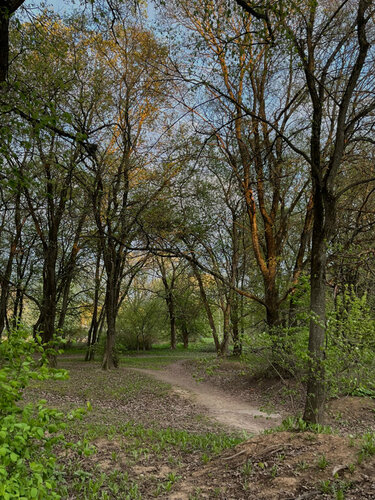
[
  {"x": 367, "y": 446},
  {"x": 297, "y": 424},
  {"x": 325, "y": 486},
  {"x": 247, "y": 469},
  {"x": 322, "y": 462},
  {"x": 351, "y": 468},
  {"x": 196, "y": 495},
  {"x": 302, "y": 465},
  {"x": 274, "y": 471}
]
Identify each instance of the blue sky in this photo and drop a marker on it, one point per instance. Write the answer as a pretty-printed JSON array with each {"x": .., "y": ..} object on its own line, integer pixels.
[{"x": 58, "y": 5}]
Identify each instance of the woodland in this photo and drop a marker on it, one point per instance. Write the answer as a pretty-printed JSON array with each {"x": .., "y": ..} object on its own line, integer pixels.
[{"x": 187, "y": 203}]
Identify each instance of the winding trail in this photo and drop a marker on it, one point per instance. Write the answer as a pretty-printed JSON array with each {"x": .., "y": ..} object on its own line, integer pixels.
[{"x": 226, "y": 409}]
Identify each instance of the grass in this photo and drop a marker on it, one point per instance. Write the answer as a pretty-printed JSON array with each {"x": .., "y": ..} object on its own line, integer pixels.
[
  {"x": 156, "y": 358},
  {"x": 139, "y": 437}
]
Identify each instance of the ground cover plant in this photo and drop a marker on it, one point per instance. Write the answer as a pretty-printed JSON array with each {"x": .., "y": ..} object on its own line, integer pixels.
[{"x": 29, "y": 433}]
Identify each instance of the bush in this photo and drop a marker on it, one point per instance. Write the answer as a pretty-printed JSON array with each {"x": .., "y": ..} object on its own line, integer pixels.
[
  {"x": 350, "y": 346},
  {"x": 28, "y": 432},
  {"x": 349, "y": 349},
  {"x": 139, "y": 323}
]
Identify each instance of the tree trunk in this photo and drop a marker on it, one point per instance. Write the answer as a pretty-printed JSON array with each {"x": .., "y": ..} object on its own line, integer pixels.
[
  {"x": 207, "y": 308},
  {"x": 4, "y": 42},
  {"x": 185, "y": 335},
  {"x": 7, "y": 8},
  {"x": 68, "y": 274},
  {"x": 172, "y": 318},
  {"x": 110, "y": 358},
  {"x": 226, "y": 332},
  {"x": 316, "y": 387},
  {"x": 237, "y": 340},
  {"x": 5, "y": 286},
  {"x": 5, "y": 279}
]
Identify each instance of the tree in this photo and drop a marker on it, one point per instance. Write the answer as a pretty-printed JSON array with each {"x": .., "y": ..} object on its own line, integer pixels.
[
  {"x": 331, "y": 41},
  {"x": 252, "y": 101},
  {"x": 124, "y": 182},
  {"x": 7, "y": 9}
]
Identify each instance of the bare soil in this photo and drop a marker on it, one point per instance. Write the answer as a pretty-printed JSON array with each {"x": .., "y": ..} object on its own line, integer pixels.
[
  {"x": 284, "y": 465},
  {"x": 222, "y": 405}
]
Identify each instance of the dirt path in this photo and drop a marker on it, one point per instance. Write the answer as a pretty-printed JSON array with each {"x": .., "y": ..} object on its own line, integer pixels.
[{"x": 220, "y": 405}]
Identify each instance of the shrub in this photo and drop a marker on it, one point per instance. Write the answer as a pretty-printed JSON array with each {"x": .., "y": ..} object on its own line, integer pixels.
[{"x": 28, "y": 432}]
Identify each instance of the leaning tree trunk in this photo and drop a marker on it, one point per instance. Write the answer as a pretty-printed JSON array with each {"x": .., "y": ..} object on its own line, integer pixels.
[{"x": 207, "y": 308}]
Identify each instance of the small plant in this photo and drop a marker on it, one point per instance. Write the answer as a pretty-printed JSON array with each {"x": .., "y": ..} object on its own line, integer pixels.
[
  {"x": 322, "y": 462},
  {"x": 247, "y": 469},
  {"x": 340, "y": 495},
  {"x": 196, "y": 495},
  {"x": 351, "y": 468},
  {"x": 368, "y": 446},
  {"x": 274, "y": 471},
  {"x": 302, "y": 465},
  {"x": 325, "y": 486}
]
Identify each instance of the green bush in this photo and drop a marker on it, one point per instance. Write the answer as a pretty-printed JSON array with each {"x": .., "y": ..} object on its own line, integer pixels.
[
  {"x": 350, "y": 346},
  {"x": 28, "y": 432},
  {"x": 139, "y": 323}
]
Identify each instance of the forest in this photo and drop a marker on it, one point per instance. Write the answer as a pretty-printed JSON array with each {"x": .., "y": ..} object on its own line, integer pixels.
[{"x": 187, "y": 227}]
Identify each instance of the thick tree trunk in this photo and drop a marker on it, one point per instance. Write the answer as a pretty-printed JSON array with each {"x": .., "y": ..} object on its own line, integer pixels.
[
  {"x": 316, "y": 386},
  {"x": 185, "y": 335},
  {"x": 236, "y": 337},
  {"x": 224, "y": 345},
  {"x": 110, "y": 358},
  {"x": 4, "y": 42}
]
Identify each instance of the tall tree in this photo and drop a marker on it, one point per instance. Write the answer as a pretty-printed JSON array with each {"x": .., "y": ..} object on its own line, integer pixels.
[{"x": 332, "y": 44}]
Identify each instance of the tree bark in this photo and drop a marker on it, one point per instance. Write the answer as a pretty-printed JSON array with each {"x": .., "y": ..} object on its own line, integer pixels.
[
  {"x": 316, "y": 387},
  {"x": 7, "y": 8}
]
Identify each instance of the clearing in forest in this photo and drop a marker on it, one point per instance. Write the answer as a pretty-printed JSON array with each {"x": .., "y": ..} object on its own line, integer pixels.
[{"x": 173, "y": 427}]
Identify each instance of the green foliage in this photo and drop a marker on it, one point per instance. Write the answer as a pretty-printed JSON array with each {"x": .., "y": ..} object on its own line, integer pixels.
[
  {"x": 350, "y": 343},
  {"x": 297, "y": 424},
  {"x": 139, "y": 322},
  {"x": 367, "y": 446},
  {"x": 350, "y": 346},
  {"x": 28, "y": 432}
]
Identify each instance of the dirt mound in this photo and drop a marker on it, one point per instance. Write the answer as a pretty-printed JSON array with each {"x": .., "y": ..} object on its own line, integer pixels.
[{"x": 286, "y": 465}]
